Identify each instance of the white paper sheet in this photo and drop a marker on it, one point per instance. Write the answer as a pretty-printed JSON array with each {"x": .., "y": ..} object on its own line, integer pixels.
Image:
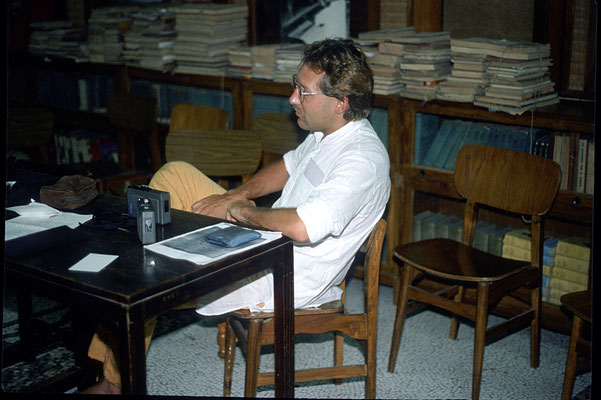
[
  {"x": 191, "y": 246},
  {"x": 93, "y": 262}
]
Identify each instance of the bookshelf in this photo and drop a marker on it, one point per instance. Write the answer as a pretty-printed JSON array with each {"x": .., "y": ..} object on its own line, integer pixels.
[{"x": 417, "y": 188}]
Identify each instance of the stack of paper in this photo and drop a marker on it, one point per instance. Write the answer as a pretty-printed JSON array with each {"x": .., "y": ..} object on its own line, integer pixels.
[
  {"x": 518, "y": 74},
  {"x": 149, "y": 42},
  {"x": 240, "y": 64},
  {"x": 426, "y": 63},
  {"x": 107, "y": 27},
  {"x": 264, "y": 61},
  {"x": 288, "y": 59},
  {"x": 59, "y": 38},
  {"x": 205, "y": 33}
]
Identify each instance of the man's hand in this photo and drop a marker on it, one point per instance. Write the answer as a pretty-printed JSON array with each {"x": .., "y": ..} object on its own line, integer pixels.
[
  {"x": 234, "y": 210},
  {"x": 215, "y": 205}
]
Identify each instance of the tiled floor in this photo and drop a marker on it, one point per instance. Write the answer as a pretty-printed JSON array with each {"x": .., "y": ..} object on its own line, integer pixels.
[{"x": 183, "y": 361}]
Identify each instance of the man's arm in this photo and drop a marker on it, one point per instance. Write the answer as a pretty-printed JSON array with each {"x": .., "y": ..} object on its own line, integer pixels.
[
  {"x": 268, "y": 180},
  {"x": 285, "y": 220}
]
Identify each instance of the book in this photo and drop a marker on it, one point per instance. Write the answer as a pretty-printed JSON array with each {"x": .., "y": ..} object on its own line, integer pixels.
[
  {"x": 568, "y": 286},
  {"x": 428, "y": 226},
  {"x": 569, "y": 275},
  {"x": 456, "y": 230},
  {"x": 495, "y": 245},
  {"x": 589, "y": 187},
  {"x": 437, "y": 143},
  {"x": 515, "y": 253},
  {"x": 577, "y": 247},
  {"x": 426, "y": 128},
  {"x": 417, "y": 224},
  {"x": 462, "y": 134},
  {"x": 571, "y": 263},
  {"x": 581, "y": 165},
  {"x": 520, "y": 238}
]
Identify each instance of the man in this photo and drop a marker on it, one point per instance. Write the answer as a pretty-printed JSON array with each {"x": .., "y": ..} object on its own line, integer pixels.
[{"x": 335, "y": 187}]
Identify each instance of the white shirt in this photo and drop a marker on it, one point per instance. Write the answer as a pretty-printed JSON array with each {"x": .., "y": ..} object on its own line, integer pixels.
[{"x": 339, "y": 185}]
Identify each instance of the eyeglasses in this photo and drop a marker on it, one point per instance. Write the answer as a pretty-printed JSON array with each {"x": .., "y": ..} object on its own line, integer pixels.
[{"x": 296, "y": 85}]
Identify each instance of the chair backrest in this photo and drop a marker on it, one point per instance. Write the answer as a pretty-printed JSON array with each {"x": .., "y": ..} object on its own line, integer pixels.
[
  {"x": 218, "y": 153},
  {"x": 373, "y": 257},
  {"x": 507, "y": 179},
  {"x": 28, "y": 126},
  {"x": 192, "y": 116},
  {"x": 279, "y": 132}
]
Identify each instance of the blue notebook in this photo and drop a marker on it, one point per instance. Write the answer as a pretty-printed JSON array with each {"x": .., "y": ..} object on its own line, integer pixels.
[{"x": 232, "y": 236}]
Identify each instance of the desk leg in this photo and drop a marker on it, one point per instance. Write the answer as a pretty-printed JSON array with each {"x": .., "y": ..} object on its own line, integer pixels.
[
  {"x": 283, "y": 282},
  {"x": 133, "y": 355}
]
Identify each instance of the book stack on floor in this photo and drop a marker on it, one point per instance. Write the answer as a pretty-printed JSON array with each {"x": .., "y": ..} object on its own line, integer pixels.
[
  {"x": 426, "y": 63},
  {"x": 288, "y": 58},
  {"x": 468, "y": 75},
  {"x": 570, "y": 272},
  {"x": 384, "y": 57},
  {"x": 488, "y": 237},
  {"x": 518, "y": 74},
  {"x": 59, "y": 38},
  {"x": 107, "y": 27},
  {"x": 149, "y": 42},
  {"x": 565, "y": 262},
  {"x": 205, "y": 32}
]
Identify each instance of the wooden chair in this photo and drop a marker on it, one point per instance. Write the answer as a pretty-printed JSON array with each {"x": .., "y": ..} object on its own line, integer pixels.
[
  {"x": 134, "y": 118},
  {"x": 224, "y": 153},
  {"x": 330, "y": 317},
  {"x": 279, "y": 133},
  {"x": 579, "y": 353},
  {"x": 504, "y": 179},
  {"x": 192, "y": 116}
]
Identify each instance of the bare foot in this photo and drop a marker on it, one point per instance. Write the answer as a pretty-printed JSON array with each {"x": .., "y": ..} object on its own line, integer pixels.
[{"x": 102, "y": 387}]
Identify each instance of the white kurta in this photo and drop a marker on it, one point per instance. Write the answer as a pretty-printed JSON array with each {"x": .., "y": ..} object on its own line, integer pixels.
[{"x": 340, "y": 185}]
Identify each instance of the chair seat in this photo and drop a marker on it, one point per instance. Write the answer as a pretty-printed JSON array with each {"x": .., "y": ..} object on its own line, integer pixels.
[
  {"x": 579, "y": 303},
  {"x": 448, "y": 258},
  {"x": 332, "y": 307}
]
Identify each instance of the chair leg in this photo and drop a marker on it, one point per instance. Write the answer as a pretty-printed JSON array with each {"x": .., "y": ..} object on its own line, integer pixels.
[
  {"x": 338, "y": 352},
  {"x": 401, "y": 311},
  {"x": 535, "y": 329},
  {"x": 253, "y": 351},
  {"x": 221, "y": 327},
  {"x": 454, "y": 320},
  {"x": 370, "y": 379},
  {"x": 479, "y": 337},
  {"x": 572, "y": 361},
  {"x": 230, "y": 352}
]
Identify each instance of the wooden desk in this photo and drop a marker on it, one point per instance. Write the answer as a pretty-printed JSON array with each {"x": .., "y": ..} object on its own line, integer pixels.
[{"x": 141, "y": 284}]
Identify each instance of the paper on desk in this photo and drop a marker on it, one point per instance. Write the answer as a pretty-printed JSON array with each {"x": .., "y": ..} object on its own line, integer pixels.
[
  {"x": 93, "y": 262},
  {"x": 37, "y": 217},
  {"x": 192, "y": 246}
]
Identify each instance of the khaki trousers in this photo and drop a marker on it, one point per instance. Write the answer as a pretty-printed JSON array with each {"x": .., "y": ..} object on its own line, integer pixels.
[{"x": 186, "y": 185}]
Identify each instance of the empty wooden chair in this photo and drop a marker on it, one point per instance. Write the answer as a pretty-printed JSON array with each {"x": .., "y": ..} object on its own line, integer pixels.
[
  {"x": 579, "y": 353},
  {"x": 30, "y": 128},
  {"x": 504, "y": 179},
  {"x": 279, "y": 132},
  {"x": 330, "y": 317},
  {"x": 193, "y": 116},
  {"x": 224, "y": 153}
]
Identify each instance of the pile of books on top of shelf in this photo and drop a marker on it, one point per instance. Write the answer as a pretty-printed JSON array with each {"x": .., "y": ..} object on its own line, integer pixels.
[
  {"x": 59, "y": 38},
  {"x": 258, "y": 62},
  {"x": 288, "y": 58},
  {"x": 566, "y": 262},
  {"x": 517, "y": 73},
  {"x": 107, "y": 27},
  {"x": 205, "y": 33},
  {"x": 468, "y": 74},
  {"x": 426, "y": 63},
  {"x": 149, "y": 41},
  {"x": 384, "y": 56}
]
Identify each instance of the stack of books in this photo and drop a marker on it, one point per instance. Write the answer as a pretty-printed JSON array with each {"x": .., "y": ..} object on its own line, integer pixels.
[
  {"x": 59, "y": 38},
  {"x": 240, "y": 61},
  {"x": 518, "y": 74},
  {"x": 384, "y": 57},
  {"x": 288, "y": 59},
  {"x": 468, "y": 75},
  {"x": 264, "y": 61},
  {"x": 570, "y": 272},
  {"x": 107, "y": 27},
  {"x": 426, "y": 63},
  {"x": 205, "y": 33},
  {"x": 149, "y": 42}
]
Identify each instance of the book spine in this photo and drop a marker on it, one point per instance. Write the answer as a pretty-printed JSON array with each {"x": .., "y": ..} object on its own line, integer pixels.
[
  {"x": 515, "y": 253},
  {"x": 518, "y": 238},
  {"x": 590, "y": 168},
  {"x": 573, "y": 250},
  {"x": 581, "y": 165},
  {"x": 571, "y": 263},
  {"x": 568, "y": 286}
]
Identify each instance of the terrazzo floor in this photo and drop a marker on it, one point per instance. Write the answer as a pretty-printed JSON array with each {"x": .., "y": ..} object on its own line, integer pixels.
[{"x": 182, "y": 359}]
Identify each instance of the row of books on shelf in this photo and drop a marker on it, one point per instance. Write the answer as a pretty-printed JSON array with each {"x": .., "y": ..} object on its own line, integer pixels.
[
  {"x": 83, "y": 146},
  {"x": 566, "y": 261},
  {"x": 438, "y": 140}
]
